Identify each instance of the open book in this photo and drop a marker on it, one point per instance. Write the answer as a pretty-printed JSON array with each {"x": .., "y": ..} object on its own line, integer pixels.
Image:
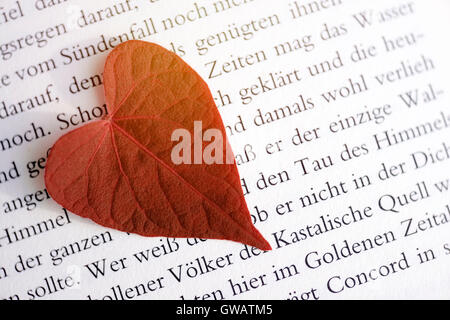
[{"x": 338, "y": 115}]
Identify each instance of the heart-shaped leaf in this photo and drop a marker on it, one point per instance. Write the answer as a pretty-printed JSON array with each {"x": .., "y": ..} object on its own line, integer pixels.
[{"x": 120, "y": 172}]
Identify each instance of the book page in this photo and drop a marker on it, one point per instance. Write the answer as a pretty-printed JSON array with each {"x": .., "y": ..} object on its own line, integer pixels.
[{"x": 338, "y": 115}]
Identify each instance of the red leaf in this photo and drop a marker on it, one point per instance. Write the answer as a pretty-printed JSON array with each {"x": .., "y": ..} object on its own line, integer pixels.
[{"x": 119, "y": 172}]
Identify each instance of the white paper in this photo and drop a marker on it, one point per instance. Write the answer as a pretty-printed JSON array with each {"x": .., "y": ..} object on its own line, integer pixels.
[{"x": 400, "y": 244}]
